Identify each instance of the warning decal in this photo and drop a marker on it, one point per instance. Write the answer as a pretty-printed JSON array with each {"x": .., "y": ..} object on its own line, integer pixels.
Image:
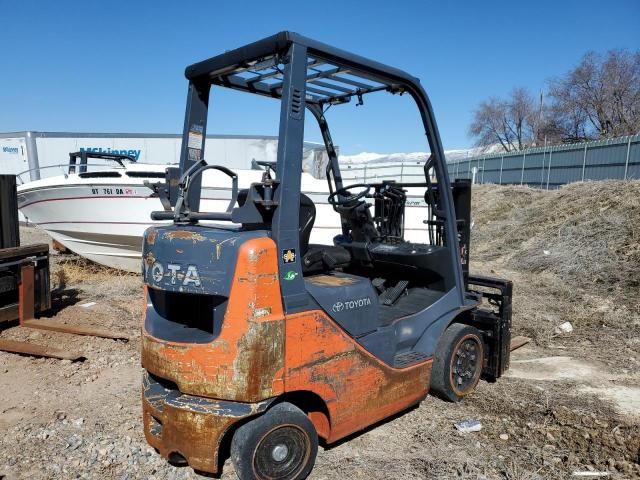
[{"x": 195, "y": 140}]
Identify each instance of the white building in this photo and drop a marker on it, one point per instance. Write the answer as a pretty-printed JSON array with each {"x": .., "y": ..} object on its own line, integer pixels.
[{"x": 37, "y": 155}]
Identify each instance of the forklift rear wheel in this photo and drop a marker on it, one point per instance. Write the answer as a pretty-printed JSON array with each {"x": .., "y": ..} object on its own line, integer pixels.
[
  {"x": 458, "y": 362},
  {"x": 280, "y": 445}
]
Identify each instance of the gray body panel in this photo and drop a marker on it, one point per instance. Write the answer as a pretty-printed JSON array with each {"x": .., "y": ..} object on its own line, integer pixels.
[
  {"x": 350, "y": 300},
  {"x": 418, "y": 332},
  {"x": 193, "y": 259}
]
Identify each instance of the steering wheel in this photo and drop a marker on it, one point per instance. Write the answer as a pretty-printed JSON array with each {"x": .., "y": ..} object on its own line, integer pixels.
[{"x": 343, "y": 196}]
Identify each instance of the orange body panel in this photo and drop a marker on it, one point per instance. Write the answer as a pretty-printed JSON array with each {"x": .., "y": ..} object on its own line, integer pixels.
[
  {"x": 195, "y": 434},
  {"x": 259, "y": 355},
  {"x": 246, "y": 361},
  {"x": 357, "y": 388}
]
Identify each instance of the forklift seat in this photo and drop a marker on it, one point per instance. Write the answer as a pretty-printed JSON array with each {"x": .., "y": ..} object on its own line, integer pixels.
[
  {"x": 307, "y": 217},
  {"x": 315, "y": 258},
  {"x": 324, "y": 257}
]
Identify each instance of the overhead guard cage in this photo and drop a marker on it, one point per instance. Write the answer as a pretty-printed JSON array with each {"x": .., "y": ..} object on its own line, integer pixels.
[{"x": 304, "y": 74}]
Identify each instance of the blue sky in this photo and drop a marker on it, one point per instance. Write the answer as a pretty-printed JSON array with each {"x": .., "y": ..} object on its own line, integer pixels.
[{"x": 118, "y": 66}]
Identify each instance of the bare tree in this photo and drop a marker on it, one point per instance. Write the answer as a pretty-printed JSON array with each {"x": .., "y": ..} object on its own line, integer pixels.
[
  {"x": 523, "y": 115},
  {"x": 512, "y": 123},
  {"x": 600, "y": 98}
]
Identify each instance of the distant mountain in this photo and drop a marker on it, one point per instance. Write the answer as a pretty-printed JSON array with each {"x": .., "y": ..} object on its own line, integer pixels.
[
  {"x": 316, "y": 161},
  {"x": 369, "y": 157},
  {"x": 418, "y": 157}
]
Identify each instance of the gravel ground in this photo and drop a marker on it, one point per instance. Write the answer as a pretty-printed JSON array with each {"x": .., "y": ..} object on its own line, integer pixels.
[{"x": 563, "y": 407}]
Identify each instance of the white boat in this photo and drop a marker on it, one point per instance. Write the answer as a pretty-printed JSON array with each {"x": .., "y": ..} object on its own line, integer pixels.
[{"x": 102, "y": 214}]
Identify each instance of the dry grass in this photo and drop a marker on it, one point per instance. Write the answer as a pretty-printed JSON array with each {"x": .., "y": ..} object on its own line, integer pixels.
[
  {"x": 96, "y": 280},
  {"x": 586, "y": 233},
  {"x": 573, "y": 253}
]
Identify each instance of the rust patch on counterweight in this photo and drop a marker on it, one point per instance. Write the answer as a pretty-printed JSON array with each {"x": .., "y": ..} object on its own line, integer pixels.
[
  {"x": 231, "y": 241},
  {"x": 357, "y": 388},
  {"x": 151, "y": 235},
  {"x": 254, "y": 256},
  {"x": 184, "y": 235},
  {"x": 253, "y": 278},
  {"x": 149, "y": 259},
  {"x": 262, "y": 358},
  {"x": 245, "y": 362},
  {"x": 330, "y": 280},
  {"x": 191, "y": 426}
]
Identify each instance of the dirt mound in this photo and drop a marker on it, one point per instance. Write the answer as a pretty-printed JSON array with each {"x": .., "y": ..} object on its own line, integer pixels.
[
  {"x": 573, "y": 254},
  {"x": 586, "y": 233}
]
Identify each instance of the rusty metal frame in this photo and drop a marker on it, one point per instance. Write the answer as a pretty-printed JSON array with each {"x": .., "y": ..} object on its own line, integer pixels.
[
  {"x": 27, "y": 313},
  {"x": 26, "y": 294},
  {"x": 25, "y": 310},
  {"x": 25, "y": 348},
  {"x": 72, "y": 329}
]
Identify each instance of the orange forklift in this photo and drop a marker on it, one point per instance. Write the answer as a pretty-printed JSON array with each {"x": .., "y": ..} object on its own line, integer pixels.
[{"x": 255, "y": 342}]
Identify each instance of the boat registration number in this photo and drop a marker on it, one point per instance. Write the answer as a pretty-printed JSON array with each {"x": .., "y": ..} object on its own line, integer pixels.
[{"x": 113, "y": 191}]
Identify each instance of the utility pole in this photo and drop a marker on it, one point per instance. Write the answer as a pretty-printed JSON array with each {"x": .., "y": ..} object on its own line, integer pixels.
[{"x": 539, "y": 122}]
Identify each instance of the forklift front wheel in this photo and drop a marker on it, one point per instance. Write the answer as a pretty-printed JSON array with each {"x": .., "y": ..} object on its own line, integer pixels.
[
  {"x": 281, "y": 445},
  {"x": 458, "y": 362}
]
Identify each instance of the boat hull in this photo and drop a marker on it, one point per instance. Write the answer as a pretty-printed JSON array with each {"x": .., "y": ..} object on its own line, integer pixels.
[{"x": 104, "y": 221}]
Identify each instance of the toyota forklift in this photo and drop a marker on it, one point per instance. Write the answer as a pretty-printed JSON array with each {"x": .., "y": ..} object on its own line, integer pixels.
[{"x": 257, "y": 343}]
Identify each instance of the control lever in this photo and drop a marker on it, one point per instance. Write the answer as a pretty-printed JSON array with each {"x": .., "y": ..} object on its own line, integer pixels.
[{"x": 166, "y": 191}]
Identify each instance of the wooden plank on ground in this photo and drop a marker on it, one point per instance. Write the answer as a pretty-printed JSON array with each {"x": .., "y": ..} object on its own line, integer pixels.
[
  {"x": 24, "y": 251},
  {"x": 32, "y": 349},
  {"x": 517, "y": 342},
  {"x": 26, "y": 293},
  {"x": 74, "y": 329}
]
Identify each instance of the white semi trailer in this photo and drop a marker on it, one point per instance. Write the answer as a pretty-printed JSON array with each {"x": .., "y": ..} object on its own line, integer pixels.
[
  {"x": 13, "y": 154},
  {"x": 36, "y": 155}
]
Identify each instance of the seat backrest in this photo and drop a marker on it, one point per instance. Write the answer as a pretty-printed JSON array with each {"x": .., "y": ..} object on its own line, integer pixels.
[{"x": 306, "y": 218}]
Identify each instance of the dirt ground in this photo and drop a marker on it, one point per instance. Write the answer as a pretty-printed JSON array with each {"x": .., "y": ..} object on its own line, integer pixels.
[{"x": 570, "y": 402}]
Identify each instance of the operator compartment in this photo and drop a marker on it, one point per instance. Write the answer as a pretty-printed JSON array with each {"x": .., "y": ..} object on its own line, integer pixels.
[{"x": 376, "y": 243}]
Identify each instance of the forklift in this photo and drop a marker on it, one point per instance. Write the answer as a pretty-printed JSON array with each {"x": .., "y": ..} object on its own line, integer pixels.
[{"x": 257, "y": 343}]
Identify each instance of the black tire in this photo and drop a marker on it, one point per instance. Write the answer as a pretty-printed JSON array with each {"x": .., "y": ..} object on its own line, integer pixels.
[
  {"x": 458, "y": 362},
  {"x": 281, "y": 444}
]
